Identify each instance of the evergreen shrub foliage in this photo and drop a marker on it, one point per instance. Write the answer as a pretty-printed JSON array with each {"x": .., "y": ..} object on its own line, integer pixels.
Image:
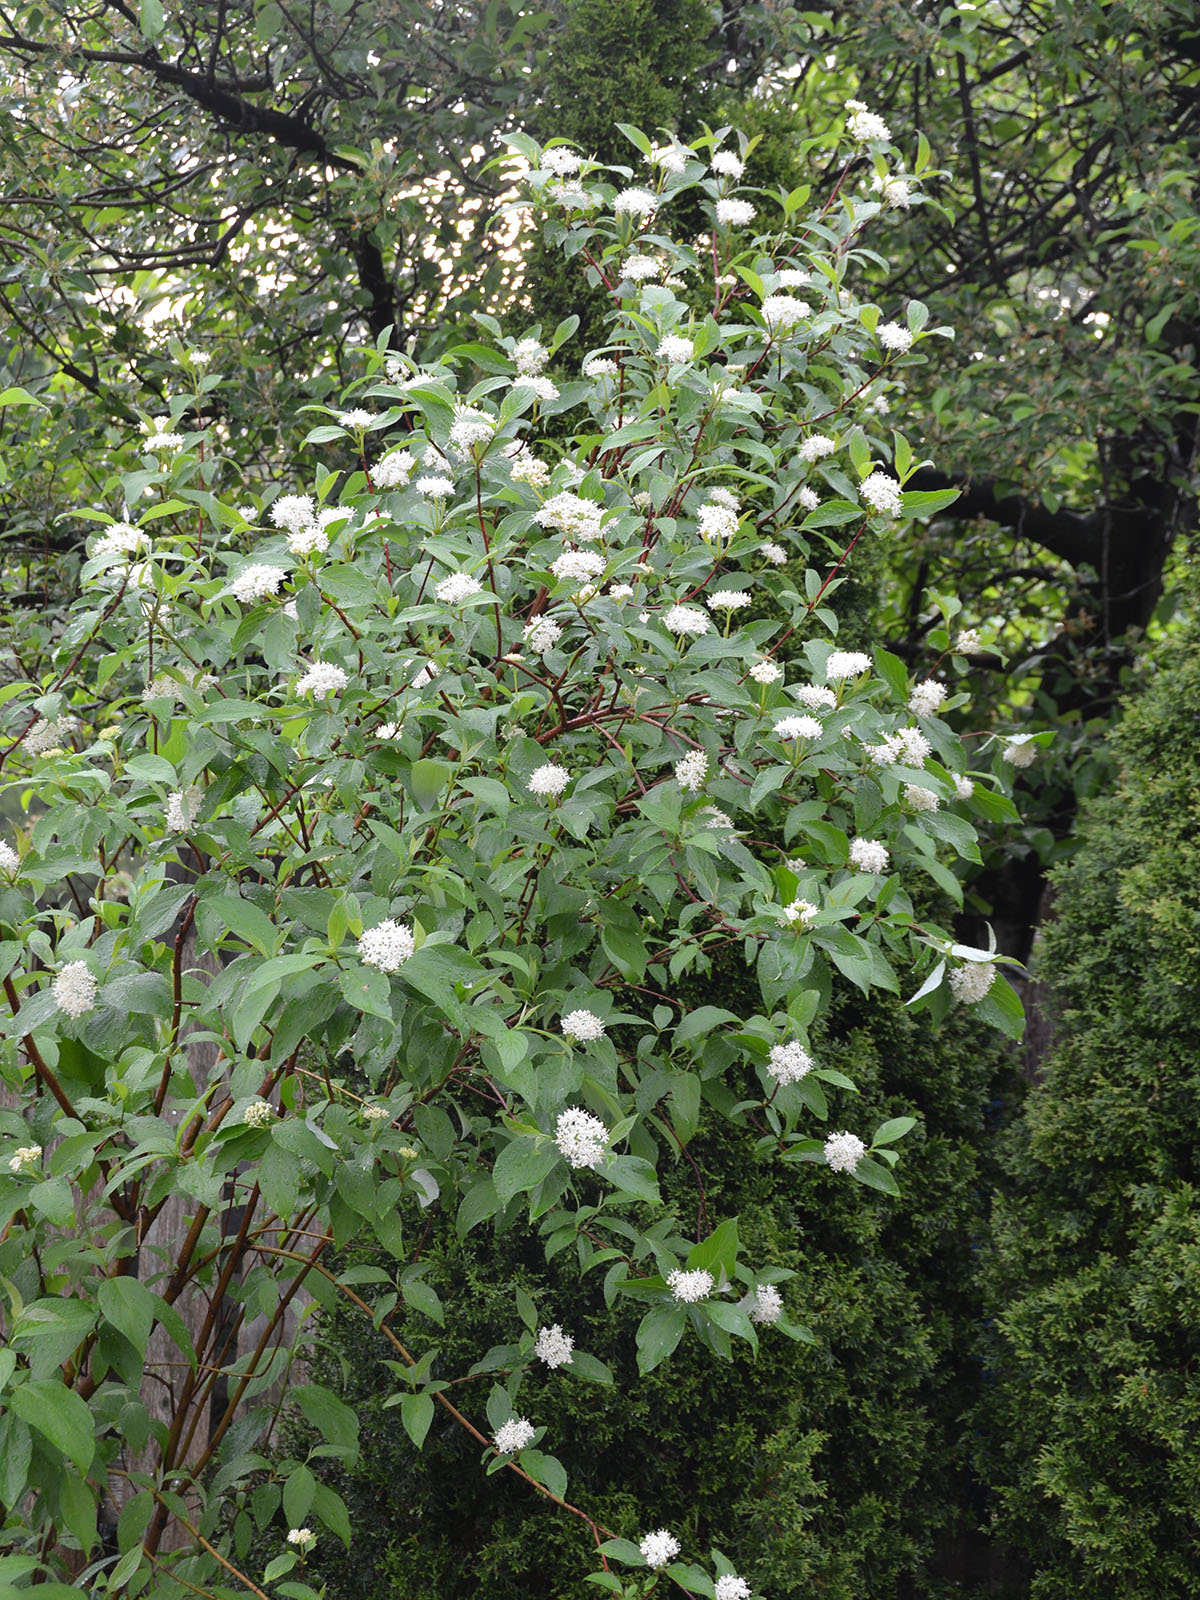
[{"x": 1094, "y": 1273}]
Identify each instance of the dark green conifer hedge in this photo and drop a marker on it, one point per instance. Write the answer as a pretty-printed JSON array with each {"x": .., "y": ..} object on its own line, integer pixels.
[{"x": 1093, "y": 1423}]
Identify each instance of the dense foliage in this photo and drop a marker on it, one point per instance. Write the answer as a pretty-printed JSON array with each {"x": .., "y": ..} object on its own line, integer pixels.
[{"x": 1093, "y": 1273}]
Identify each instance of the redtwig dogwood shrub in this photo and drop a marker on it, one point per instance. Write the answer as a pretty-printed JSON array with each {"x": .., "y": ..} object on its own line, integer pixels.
[{"x": 422, "y": 792}]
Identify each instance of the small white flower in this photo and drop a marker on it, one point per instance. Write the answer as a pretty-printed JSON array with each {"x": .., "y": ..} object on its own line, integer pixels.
[
  {"x": 912, "y": 745},
  {"x": 816, "y": 446},
  {"x": 685, "y": 620},
  {"x": 863, "y": 125},
  {"x": 768, "y": 1304},
  {"x": 674, "y": 348},
  {"x": 529, "y": 356},
  {"x": 790, "y": 1062},
  {"x": 575, "y": 566},
  {"x": 160, "y": 442},
  {"x": 726, "y": 498},
  {"x": 801, "y": 911},
  {"x": 774, "y": 553},
  {"x": 542, "y": 634},
  {"x": 808, "y": 498},
  {"x": 600, "y": 367},
  {"x": 573, "y": 515},
  {"x": 881, "y": 493},
  {"x": 549, "y": 780},
  {"x": 1019, "y": 751},
  {"x": 766, "y": 672},
  {"x": 293, "y": 511},
  {"x": 689, "y": 1287},
  {"x": 389, "y": 730},
  {"x": 926, "y": 697},
  {"x": 544, "y": 388},
  {"x": 892, "y": 336},
  {"x": 376, "y": 1114},
  {"x": 553, "y": 1346},
  {"x": 781, "y": 312},
  {"x": 815, "y": 696},
  {"x": 718, "y": 523},
  {"x": 525, "y": 467},
  {"x": 734, "y": 213},
  {"x": 920, "y": 799},
  {"x": 303, "y": 1538},
  {"x": 727, "y": 165},
  {"x": 731, "y": 1587},
  {"x": 561, "y": 161},
  {"x": 513, "y": 1435},
  {"x": 964, "y": 787},
  {"x": 182, "y": 807},
  {"x": 257, "y": 1113},
  {"x": 356, "y": 420},
  {"x": 256, "y": 582},
  {"x": 717, "y": 818},
  {"x": 728, "y": 600},
  {"x": 322, "y": 678},
  {"x": 582, "y": 1027},
  {"x": 435, "y": 488},
  {"x": 967, "y": 642},
  {"x": 894, "y": 191},
  {"x": 394, "y": 471},
  {"x": 670, "y": 157},
  {"x": 868, "y": 855},
  {"x": 9, "y": 859},
  {"x": 119, "y": 539},
  {"x": 582, "y": 1139},
  {"x": 387, "y": 946},
  {"x": 450, "y": 591},
  {"x": 843, "y": 1151},
  {"x": 798, "y": 728},
  {"x": 469, "y": 429},
  {"x": 635, "y": 203},
  {"x": 620, "y": 591},
  {"x": 970, "y": 982},
  {"x": 843, "y": 664},
  {"x": 659, "y": 1548},
  {"x": 640, "y": 268},
  {"x": 74, "y": 989},
  {"x": 691, "y": 771},
  {"x": 792, "y": 278},
  {"x": 24, "y": 1157}
]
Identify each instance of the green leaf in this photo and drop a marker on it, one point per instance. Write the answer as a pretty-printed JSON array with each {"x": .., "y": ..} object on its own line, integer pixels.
[
  {"x": 59, "y": 1415},
  {"x": 416, "y": 1413},
  {"x": 875, "y": 1176},
  {"x": 333, "y": 1418},
  {"x": 545, "y": 1470},
  {"x": 582, "y": 1365},
  {"x": 151, "y": 19},
  {"x": 521, "y": 1166},
  {"x": 659, "y": 1331},
  {"x": 78, "y": 1506},
  {"x": 131, "y": 1309},
  {"x": 632, "y": 1175},
  {"x": 895, "y": 1129},
  {"x": 428, "y": 779}
]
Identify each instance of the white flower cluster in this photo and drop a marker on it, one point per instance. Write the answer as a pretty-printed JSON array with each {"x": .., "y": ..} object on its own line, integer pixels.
[
  {"x": 323, "y": 677},
  {"x": 689, "y": 1287},
  {"x": 844, "y": 664},
  {"x": 583, "y": 1027},
  {"x": 967, "y": 642},
  {"x": 815, "y": 447},
  {"x": 513, "y": 1435},
  {"x": 44, "y": 735},
  {"x": 691, "y": 770},
  {"x": 659, "y": 1548},
  {"x": 258, "y": 1113},
  {"x": 639, "y": 268},
  {"x": 920, "y": 798},
  {"x": 728, "y": 600},
  {"x": 542, "y": 634},
  {"x": 9, "y": 859},
  {"x": 529, "y": 356},
  {"x": 766, "y": 672},
  {"x": 553, "y": 1346},
  {"x": 582, "y": 1139},
  {"x": 675, "y": 349},
  {"x": 387, "y": 946},
  {"x": 600, "y": 367},
  {"x": 894, "y": 336},
  {"x": 790, "y": 1062},
  {"x": 734, "y": 213},
  {"x": 798, "y": 728},
  {"x": 815, "y": 696},
  {"x": 119, "y": 539},
  {"x": 726, "y": 165},
  {"x": 767, "y": 1306},
  {"x": 524, "y": 466},
  {"x": 801, "y": 911},
  {"x": 843, "y": 1151},
  {"x": 183, "y": 806},
  {"x": 256, "y": 582},
  {"x": 868, "y": 855},
  {"x": 908, "y": 745},
  {"x": 731, "y": 1587},
  {"x": 549, "y": 780},
  {"x": 970, "y": 982},
  {"x": 894, "y": 189},
  {"x": 577, "y": 566},
  {"x": 926, "y": 697},
  {"x": 772, "y": 552},
  {"x": 24, "y": 1157},
  {"x": 302, "y": 1538},
  {"x": 683, "y": 621},
  {"x": 74, "y": 989},
  {"x": 1019, "y": 751},
  {"x": 575, "y": 517},
  {"x": 394, "y": 471},
  {"x": 306, "y": 528},
  {"x": 863, "y": 125},
  {"x": 451, "y": 591},
  {"x": 881, "y": 494},
  {"x": 470, "y": 429},
  {"x": 781, "y": 312},
  {"x": 717, "y": 522}
]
